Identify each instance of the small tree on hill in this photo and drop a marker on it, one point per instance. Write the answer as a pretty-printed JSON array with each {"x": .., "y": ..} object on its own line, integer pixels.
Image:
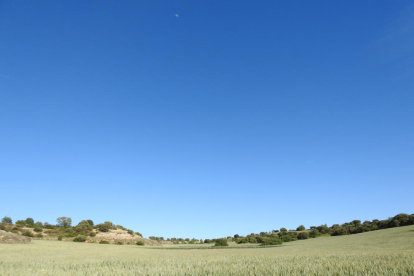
[
  {"x": 300, "y": 228},
  {"x": 7, "y": 220},
  {"x": 64, "y": 221},
  {"x": 29, "y": 221}
]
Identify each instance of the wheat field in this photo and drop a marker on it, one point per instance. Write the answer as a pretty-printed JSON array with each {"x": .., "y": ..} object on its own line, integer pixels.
[{"x": 382, "y": 252}]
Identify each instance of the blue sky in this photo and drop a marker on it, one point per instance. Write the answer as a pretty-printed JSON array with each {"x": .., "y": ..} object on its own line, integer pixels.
[{"x": 234, "y": 117}]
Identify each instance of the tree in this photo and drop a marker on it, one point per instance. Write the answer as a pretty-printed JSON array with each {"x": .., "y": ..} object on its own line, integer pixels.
[
  {"x": 83, "y": 226},
  {"x": 300, "y": 228},
  {"x": 314, "y": 233},
  {"x": 29, "y": 221},
  {"x": 221, "y": 242},
  {"x": 283, "y": 229},
  {"x": 64, "y": 221},
  {"x": 7, "y": 220}
]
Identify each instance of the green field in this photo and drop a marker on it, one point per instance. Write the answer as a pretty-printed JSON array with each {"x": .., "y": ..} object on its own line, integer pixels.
[{"x": 382, "y": 252}]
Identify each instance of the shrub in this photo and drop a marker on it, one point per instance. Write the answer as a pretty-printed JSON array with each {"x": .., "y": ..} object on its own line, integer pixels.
[
  {"x": 283, "y": 229},
  {"x": 103, "y": 242},
  {"x": 130, "y": 232},
  {"x": 303, "y": 236},
  {"x": 92, "y": 234},
  {"x": 221, "y": 242},
  {"x": 119, "y": 242},
  {"x": 39, "y": 235},
  {"x": 314, "y": 233},
  {"x": 138, "y": 234},
  {"x": 271, "y": 241},
  {"x": 38, "y": 229},
  {"x": 80, "y": 238},
  {"x": 27, "y": 233},
  {"x": 140, "y": 243},
  {"x": 2, "y": 226},
  {"x": 60, "y": 237},
  {"x": 300, "y": 228}
]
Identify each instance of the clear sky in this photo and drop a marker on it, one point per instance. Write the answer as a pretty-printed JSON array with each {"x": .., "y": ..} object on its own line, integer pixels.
[{"x": 204, "y": 119}]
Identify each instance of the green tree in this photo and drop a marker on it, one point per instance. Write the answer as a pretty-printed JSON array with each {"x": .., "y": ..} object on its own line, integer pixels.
[
  {"x": 29, "y": 221},
  {"x": 221, "y": 242},
  {"x": 83, "y": 227},
  {"x": 7, "y": 220},
  {"x": 283, "y": 229},
  {"x": 300, "y": 228},
  {"x": 64, "y": 221}
]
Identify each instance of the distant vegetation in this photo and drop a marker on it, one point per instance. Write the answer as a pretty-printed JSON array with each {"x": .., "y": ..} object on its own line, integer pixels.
[{"x": 86, "y": 228}]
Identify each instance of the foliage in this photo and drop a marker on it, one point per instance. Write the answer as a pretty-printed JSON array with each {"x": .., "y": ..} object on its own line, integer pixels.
[
  {"x": 27, "y": 233},
  {"x": 92, "y": 234},
  {"x": 103, "y": 242},
  {"x": 283, "y": 229},
  {"x": 140, "y": 242},
  {"x": 60, "y": 237},
  {"x": 7, "y": 220},
  {"x": 118, "y": 242},
  {"x": 303, "y": 236},
  {"x": 300, "y": 228},
  {"x": 64, "y": 221},
  {"x": 271, "y": 241},
  {"x": 80, "y": 238},
  {"x": 38, "y": 229},
  {"x": 221, "y": 242},
  {"x": 29, "y": 221},
  {"x": 314, "y": 233}
]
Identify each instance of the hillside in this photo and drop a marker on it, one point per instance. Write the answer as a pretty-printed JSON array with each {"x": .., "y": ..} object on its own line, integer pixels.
[{"x": 11, "y": 238}]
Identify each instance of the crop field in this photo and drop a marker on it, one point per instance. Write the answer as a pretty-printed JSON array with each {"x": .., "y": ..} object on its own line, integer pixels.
[{"x": 382, "y": 252}]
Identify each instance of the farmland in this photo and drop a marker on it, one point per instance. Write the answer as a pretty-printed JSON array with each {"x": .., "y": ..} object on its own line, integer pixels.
[{"x": 381, "y": 252}]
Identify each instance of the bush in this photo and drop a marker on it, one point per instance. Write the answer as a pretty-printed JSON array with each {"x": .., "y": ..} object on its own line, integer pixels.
[
  {"x": 80, "y": 238},
  {"x": 2, "y": 226},
  {"x": 303, "y": 236},
  {"x": 103, "y": 242},
  {"x": 60, "y": 237},
  {"x": 39, "y": 235},
  {"x": 271, "y": 241},
  {"x": 119, "y": 242},
  {"x": 27, "y": 233},
  {"x": 38, "y": 229},
  {"x": 300, "y": 228},
  {"x": 92, "y": 234},
  {"x": 283, "y": 229},
  {"x": 140, "y": 243},
  {"x": 314, "y": 233},
  {"x": 221, "y": 242},
  {"x": 131, "y": 232}
]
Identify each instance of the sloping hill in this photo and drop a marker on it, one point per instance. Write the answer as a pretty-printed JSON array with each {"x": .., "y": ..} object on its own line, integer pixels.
[{"x": 6, "y": 237}]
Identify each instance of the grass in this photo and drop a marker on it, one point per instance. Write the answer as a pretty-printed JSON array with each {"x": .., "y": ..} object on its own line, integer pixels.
[{"x": 383, "y": 252}]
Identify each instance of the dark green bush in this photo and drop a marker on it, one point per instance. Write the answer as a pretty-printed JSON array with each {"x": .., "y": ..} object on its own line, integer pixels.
[
  {"x": 103, "y": 242},
  {"x": 130, "y": 232},
  {"x": 271, "y": 241},
  {"x": 303, "y": 236},
  {"x": 80, "y": 238},
  {"x": 300, "y": 228},
  {"x": 140, "y": 243},
  {"x": 221, "y": 242},
  {"x": 39, "y": 235},
  {"x": 60, "y": 237},
  {"x": 38, "y": 229},
  {"x": 119, "y": 242},
  {"x": 27, "y": 233},
  {"x": 92, "y": 234},
  {"x": 314, "y": 233}
]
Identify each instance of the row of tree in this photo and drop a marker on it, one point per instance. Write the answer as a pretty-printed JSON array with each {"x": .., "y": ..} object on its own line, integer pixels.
[{"x": 63, "y": 227}]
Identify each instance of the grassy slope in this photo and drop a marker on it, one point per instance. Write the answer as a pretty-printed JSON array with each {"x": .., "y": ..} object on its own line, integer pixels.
[{"x": 383, "y": 252}]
